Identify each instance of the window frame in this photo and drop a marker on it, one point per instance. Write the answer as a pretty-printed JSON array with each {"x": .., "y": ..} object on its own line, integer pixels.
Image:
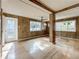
[
  {"x": 71, "y": 20},
  {"x": 36, "y": 29}
]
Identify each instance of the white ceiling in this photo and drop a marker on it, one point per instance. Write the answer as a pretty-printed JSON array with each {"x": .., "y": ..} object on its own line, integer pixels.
[
  {"x": 31, "y": 10},
  {"x": 59, "y": 4},
  {"x": 69, "y": 13}
]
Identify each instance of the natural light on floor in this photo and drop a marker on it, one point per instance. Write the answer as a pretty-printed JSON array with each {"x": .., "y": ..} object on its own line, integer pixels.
[{"x": 5, "y": 50}]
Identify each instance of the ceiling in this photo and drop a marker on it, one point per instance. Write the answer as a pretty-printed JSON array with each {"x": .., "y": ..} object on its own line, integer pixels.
[
  {"x": 59, "y": 4},
  {"x": 29, "y": 9},
  {"x": 68, "y": 13},
  {"x": 24, "y": 8}
]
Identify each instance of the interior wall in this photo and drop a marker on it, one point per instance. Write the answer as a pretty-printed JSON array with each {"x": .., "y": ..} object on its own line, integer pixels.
[
  {"x": 65, "y": 15},
  {"x": 77, "y": 33},
  {"x": 0, "y": 29},
  {"x": 70, "y": 34},
  {"x": 0, "y": 36},
  {"x": 24, "y": 27},
  {"x": 66, "y": 34}
]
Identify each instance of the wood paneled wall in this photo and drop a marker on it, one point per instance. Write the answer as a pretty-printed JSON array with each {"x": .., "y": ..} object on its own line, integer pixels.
[
  {"x": 24, "y": 27},
  {"x": 77, "y": 30},
  {"x": 69, "y": 34},
  {"x": 66, "y": 34}
]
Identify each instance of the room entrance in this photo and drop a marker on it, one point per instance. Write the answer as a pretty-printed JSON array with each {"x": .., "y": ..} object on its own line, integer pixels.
[{"x": 10, "y": 29}]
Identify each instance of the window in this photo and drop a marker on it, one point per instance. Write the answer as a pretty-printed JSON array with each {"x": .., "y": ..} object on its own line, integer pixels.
[
  {"x": 66, "y": 26},
  {"x": 35, "y": 26},
  {"x": 11, "y": 27}
]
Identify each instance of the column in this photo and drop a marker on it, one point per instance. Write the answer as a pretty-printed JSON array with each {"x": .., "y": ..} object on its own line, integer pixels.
[{"x": 52, "y": 34}]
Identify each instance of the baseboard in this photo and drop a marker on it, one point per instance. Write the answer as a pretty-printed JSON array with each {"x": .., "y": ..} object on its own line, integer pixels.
[
  {"x": 70, "y": 38},
  {"x": 29, "y": 38}
]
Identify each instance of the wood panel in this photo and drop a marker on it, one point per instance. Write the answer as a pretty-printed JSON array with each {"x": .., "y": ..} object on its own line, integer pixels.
[
  {"x": 24, "y": 27},
  {"x": 52, "y": 28}
]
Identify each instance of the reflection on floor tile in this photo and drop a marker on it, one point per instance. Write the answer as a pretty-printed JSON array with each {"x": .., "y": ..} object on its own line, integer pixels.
[
  {"x": 41, "y": 48},
  {"x": 6, "y": 49}
]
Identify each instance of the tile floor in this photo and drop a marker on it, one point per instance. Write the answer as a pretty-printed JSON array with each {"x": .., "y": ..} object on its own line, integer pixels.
[{"x": 41, "y": 48}]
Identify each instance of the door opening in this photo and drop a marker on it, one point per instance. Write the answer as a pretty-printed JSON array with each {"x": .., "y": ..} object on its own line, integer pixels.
[{"x": 10, "y": 29}]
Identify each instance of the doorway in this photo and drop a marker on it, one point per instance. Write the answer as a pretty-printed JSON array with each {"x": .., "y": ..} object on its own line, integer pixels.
[{"x": 10, "y": 29}]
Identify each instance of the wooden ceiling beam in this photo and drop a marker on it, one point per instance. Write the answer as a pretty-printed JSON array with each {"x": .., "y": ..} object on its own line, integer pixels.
[
  {"x": 49, "y": 9},
  {"x": 42, "y": 5},
  {"x": 67, "y": 8}
]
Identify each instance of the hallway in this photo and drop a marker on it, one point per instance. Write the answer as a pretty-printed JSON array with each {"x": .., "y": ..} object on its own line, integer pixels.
[{"x": 41, "y": 48}]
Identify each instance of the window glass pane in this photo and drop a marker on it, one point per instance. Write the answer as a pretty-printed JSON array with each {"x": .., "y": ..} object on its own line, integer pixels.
[
  {"x": 66, "y": 26},
  {"x": 35, "y": 26}
]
